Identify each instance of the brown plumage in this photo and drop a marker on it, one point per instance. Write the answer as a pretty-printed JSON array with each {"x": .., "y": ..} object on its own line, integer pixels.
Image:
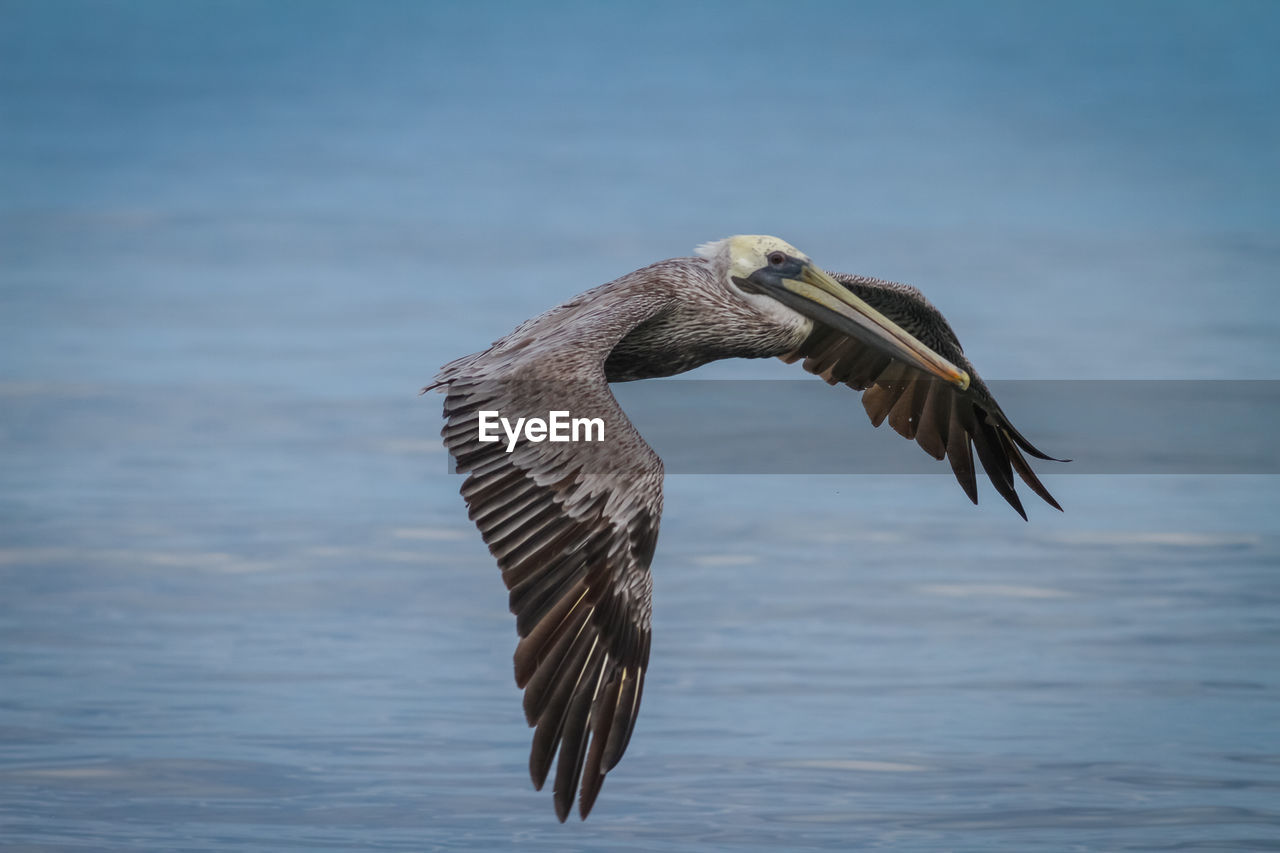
[{"x": 573, "y": 526}]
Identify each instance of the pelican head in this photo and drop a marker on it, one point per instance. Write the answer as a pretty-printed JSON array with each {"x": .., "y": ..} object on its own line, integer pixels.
[{"x": 769, "y": 270}]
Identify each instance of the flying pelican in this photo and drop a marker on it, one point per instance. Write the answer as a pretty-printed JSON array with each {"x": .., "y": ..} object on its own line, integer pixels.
[{"x": 573, "y": 525}]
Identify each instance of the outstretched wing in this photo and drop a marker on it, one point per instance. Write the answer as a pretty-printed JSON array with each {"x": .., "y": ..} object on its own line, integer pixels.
[
  {"x": 942, "y": 419},
  {"x": 573, "y": 527}
]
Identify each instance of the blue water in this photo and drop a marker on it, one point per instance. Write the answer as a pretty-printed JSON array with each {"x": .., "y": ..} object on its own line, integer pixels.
[{"x": 243, "y": 609}]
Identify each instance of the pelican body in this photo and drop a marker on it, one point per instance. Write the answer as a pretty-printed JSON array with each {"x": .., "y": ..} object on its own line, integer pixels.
[{"x": 574, "y": 525}]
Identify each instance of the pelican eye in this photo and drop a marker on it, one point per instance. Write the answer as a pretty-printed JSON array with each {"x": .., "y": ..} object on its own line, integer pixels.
[{"x": 777, "y": 259}]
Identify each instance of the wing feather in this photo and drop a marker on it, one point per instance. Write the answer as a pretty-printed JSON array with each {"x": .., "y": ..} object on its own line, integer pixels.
[
  {"x": 942, "y": 419},
  {"x": 602, "y": 721},
  {"x": 935, "y": 417},
  {"x": 960, "y": 446},
  {"x": 573, "y": 528}
]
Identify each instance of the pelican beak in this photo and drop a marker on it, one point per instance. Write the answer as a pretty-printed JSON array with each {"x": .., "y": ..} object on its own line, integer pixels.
[{"x": 805, "y": 288}]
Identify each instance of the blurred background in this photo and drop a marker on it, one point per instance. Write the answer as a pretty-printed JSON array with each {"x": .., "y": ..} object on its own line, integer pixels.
[{"x": 242, "y": 605}]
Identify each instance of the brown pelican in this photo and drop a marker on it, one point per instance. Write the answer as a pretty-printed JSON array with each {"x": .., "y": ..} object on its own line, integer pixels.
[{"x": 573, "y": 525}]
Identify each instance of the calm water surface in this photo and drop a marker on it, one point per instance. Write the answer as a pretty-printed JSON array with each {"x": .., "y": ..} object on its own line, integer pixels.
[{"x": 242, "y": 606}]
